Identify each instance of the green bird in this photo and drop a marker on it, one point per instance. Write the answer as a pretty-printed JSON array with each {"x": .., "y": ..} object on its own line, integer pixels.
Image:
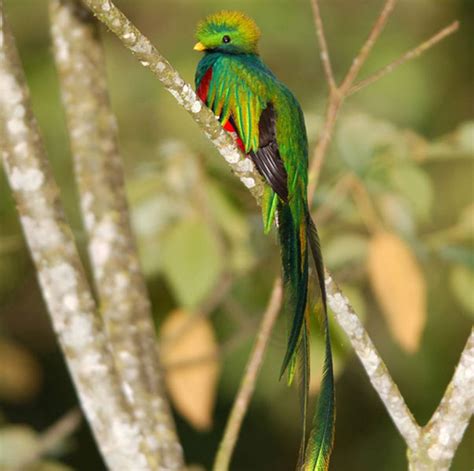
[{"x": 250, "y": 101}]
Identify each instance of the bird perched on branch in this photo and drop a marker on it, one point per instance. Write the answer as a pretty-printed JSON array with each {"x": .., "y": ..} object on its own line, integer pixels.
[{"x": 250, "y": 101}]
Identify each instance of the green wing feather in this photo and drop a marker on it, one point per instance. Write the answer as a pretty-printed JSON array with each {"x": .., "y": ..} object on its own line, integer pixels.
[{"x": 232, "y": 95}]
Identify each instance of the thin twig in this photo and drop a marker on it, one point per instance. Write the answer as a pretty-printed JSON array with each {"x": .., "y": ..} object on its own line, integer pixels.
[
  {"x": 337, "y": 94},
  {"x": 59, "y": 431},
  {"x": 124, "y": 302},
  {"x": 333, "y": 106},
  {"x": 363, "y": 54},
  {"x": 51, "y": 438},
  {"x": 412, "y": 54},
  {"x": 247, "y": 385},
  {"x": 364, "y": 203},
  {"x": 60, "y": 272},
  {"x": 325, "y": 58}
]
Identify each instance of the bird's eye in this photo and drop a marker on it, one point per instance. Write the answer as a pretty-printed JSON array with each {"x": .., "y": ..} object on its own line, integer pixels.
[{"x": 226, "y": 39}]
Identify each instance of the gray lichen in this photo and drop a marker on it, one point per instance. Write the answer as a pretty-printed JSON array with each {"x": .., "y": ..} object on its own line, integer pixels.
[
  {"x": 124, "y": 302},
  {"x": 61, "y": 276}
]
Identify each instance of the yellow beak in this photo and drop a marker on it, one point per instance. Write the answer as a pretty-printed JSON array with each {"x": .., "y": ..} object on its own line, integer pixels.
[{"x": 199, "y": 47}]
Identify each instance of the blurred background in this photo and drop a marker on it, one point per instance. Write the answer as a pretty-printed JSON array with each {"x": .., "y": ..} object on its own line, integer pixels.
[{"x": 401, "y": 159}]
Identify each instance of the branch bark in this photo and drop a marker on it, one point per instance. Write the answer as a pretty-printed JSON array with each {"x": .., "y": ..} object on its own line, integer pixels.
[
  {"x": 373, "y": 364},
  {"x": 443, "y": 433},
  {"x": 60, "y": 273},
  {"x": 124, "y": 302}
]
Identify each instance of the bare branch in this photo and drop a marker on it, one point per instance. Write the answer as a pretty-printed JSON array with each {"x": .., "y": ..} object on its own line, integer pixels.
[
  {"x": 363, "y": 54},
  {"x": 59, "y": 431},
  {"x": 337, "y": 94},
  {"x": 325, "y": 58},
  {"x": 412, "y": 54},
  {"x": 61, "y": 275},
  {"x": 52, "y": 438},
  {"x": 332, "y": 110},
  {"x": 373, "y": 364},
  {"x": 247, "y": 385},
  {"x": 124, "y": 302}
]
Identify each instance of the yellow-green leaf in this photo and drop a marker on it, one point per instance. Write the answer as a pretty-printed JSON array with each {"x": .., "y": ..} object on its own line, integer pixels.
[
  {"x": 399, "y": 286},
  {"x": 189, "y": 353}
]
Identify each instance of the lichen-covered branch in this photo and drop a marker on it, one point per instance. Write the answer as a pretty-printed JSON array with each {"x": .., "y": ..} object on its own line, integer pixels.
[
  {"x": 60, "y": 273},
  {"x": 443, "y": 433},
  {"x": 373, "y": 364},
  {"x": 149, "y": 57},
  {"x": 124, "y": 302}
]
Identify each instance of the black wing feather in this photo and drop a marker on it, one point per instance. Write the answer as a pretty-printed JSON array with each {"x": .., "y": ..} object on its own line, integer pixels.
[{"x": 267, "y": 158}]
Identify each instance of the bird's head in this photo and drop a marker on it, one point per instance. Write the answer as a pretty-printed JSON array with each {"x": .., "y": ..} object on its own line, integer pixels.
[{"x": 231, "y": 32}]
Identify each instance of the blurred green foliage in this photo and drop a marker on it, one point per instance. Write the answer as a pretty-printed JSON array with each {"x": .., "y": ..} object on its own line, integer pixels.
[{"x": 408, "y": 139}]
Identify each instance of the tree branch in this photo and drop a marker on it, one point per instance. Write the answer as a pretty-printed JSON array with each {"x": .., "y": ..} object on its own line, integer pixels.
[
  {"x": 325, "y": 58},
  {"x": 338, "y": 93},
  {"x": 124, "y": 302},
  {"x": 247, "y": 385},
  {"x": 61, "y": 275},
  {"x": 364, "y": 52},
  {"x": 373, "y": 364},
  {"x": 412, "y": 54},
  {"x": 443, "y": 433}
]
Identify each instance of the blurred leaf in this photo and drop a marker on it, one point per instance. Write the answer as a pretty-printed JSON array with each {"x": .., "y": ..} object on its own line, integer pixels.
[
  {"x": 465, "y": 138},
  {"x": 414, "y": 184},
  {"x": 345, "y": 249},
  {"x": 459, "y": 144},
  {"x": 234, "y": 225},
  {"x": 396, "y": 213},
  {"x": 462, "y": 284},
  {"x": 192, "y": 388},
  {"x": 20, "y": 373},
  {"x": 191, "y": 261},
  {"x": 359, "y": 137},
  {"x": 466, "y": 220},
  {"x": 459, "y": 254},
  {"x": 18, "y": 444},
  {"x": 399, "y": 287}
]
